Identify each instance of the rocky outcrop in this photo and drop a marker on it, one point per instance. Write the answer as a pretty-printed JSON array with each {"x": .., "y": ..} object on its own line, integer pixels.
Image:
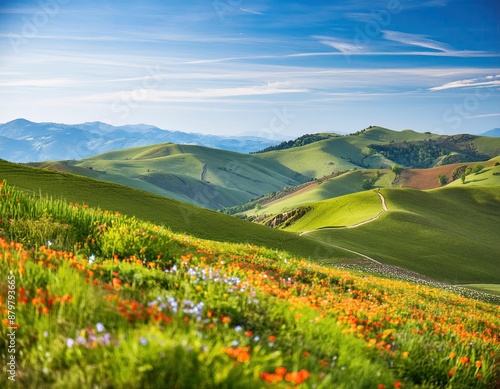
[{"x": 286, "y": 219}]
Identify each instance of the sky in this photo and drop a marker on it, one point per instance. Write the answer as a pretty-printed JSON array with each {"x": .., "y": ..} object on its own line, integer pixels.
[{"x": 277, "y": 69}]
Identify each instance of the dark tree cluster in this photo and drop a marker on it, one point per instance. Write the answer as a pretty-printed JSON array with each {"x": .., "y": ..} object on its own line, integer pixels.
[
  {"x": 414, "y": 154},
  {"x": 301, "y": 141}
]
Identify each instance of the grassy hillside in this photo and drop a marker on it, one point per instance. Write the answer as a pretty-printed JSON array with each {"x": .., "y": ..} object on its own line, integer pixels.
[
  {"x": 180, "y": 217},
  {"x": 449, "y": 234},
  {"x": 206, "y": 177},
  {"x": 343, "y": 153},
  {"x": 350, "y": 182},
  {"x": 218, "y": 179},
  {"x": 489, "y": 176},
  {"x": 346, "y": 183},
  {"x": 135, "y": 305}
]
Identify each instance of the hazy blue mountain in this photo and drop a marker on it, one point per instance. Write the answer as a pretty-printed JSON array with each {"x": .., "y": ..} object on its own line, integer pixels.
[
  {"x": 494, "y": 133},
  {"x": 25, "y": 141}
]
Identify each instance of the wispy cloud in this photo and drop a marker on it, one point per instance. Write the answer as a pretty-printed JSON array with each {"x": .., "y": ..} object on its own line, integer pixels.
[
  {"x": 153, "y": 95},
  {"x": 415, "y": 40},
  {"x": 342, "y": 45},
  {"x": 250, "y": 11},
  {"x": 47, "y": 83},
  {"x": 486, "y": 82},
  {"x": 487, "y": 115}
]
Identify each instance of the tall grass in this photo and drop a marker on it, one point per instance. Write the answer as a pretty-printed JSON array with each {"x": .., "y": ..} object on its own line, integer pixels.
[{"x": 208, "y": 314}]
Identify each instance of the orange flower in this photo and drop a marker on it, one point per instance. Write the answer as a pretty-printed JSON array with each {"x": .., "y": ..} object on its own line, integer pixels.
[
  {"x": 241, "y": 354},
  {"x": 451, "y": 373},
  {"x": 272, "y": 338},
  {"x": 479, "y": 364},
  {"x": 297, "y": 377},
  {"x": 271, "y": 378},
  {"x": 381, "y": 386},
  {"x": 116, "y": 283},
  {"x": 453, "y": 355},
  {"x": 464, "y": 360},
  {"x": 280, "y": 371},
  {"x": 398, "y": 385}
]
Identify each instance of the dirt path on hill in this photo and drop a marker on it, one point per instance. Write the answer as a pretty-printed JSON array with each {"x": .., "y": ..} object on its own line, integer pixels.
[
  {"x": 300, "y": 191},
  {"x": 384, "y": 209},
  {"x": 204, "y": 171},
  {"x": 355, "y": 252}
]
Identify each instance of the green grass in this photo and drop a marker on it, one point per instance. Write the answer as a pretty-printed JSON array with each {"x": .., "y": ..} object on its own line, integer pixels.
[
  {"x": 449, "y": 234},
  {"x": 340, "y": 211},
  {"x": 488, "y": 288},
  {"x": 176, "y": 171},
  {"x": 155, "y": 309},
  {"x": 337, "y": 154},
  {"x": 179, "y": 217},
  {"x": 489, "y": 176},
  {"x": 342, "y": 185}
]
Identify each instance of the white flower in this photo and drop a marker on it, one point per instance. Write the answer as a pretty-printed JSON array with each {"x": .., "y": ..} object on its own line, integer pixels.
[
  {"x": 99, "y": 327},
  {"x": 91, "y": 259}
]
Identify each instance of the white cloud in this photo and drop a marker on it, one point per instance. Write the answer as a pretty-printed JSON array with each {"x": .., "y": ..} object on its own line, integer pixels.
[
  {"x": 342, "y": 46},
  {"x": 250, "y": 11},
  {"x": 486, "y": 82},
  {"x": 415, "y": 40},
  {"x": 154, "y": 95},
  {"x": 47, "y": 83}
]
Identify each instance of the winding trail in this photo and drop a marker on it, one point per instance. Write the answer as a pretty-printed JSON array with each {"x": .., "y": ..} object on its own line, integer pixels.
[
  {"x": 384, "y": 206},
  {"x": 355, "y": 252},
  {"x": 204, "y": 171},
  {"x": 384, "y": 209}
]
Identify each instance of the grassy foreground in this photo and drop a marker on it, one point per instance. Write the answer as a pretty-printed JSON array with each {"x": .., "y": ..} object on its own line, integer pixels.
[{"x": 105, "y": 300}]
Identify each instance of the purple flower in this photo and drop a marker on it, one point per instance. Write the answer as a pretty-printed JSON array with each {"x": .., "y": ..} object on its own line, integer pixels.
[{"x": 70, "y": 342}]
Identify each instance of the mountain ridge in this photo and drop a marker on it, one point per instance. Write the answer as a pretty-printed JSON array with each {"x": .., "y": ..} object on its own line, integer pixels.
[{"x": 26, "y": 141}]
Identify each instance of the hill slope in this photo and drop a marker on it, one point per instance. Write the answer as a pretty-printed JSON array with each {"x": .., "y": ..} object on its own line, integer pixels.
[
  {"x": 449, "y": 234},
  {"x": 138, "y": 306},
  {"x": 203, "y": 176},
  {"x": 219, "y": 179},
  {"x": 178, "y": 216}
]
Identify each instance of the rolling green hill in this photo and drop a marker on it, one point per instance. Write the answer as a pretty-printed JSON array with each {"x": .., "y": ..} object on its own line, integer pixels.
[
  {"x": 378, "y": 147},
  {"x": 202, "y": 176},
  {"x": 347, "y": 183},
  {"x": 178, "y": 216},
  {"x": 218, "y": 179},
  {"x": 449, "y": 234}
]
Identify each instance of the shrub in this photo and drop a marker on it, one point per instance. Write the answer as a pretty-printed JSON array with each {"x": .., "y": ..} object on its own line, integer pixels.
[
  {"x": 127, "y": 237},
  {"x": 477, "y": 168}
]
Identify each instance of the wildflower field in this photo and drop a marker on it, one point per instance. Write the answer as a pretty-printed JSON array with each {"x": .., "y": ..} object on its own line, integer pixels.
[{"x": 96, "y": 299}]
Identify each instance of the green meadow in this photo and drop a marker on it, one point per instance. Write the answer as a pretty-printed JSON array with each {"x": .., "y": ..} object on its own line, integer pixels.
[
  {"x": 179, "y": 217},
  {"x": 448, "y": 234},
  {"x": 108, "y": 300}
]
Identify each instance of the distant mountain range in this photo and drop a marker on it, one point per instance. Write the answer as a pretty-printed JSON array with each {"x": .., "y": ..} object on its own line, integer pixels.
[
  {"x": 25, "y": 141},
  {"x": 494, "y": 133}
]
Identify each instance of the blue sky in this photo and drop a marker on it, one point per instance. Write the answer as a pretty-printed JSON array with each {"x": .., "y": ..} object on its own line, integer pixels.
[{"x": 266, "y": 68}]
